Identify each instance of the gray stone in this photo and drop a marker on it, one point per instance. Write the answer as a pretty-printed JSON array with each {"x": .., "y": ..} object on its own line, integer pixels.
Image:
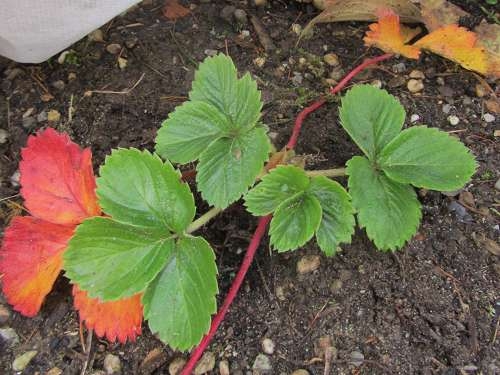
[
  {"x": 206, "y": 364},
  {"x": 262, "y": 364},
  {"x": 29, "y": 122},
  {"x": 9, "y": 336},
  {"x": 241, "y": 16},
  {"x": 268, "y": 346},
  {"x": 175, "y": 367},
  {"x": 357, "y": 358},
  {"x": 42, "y": 116},
  {"x": 58, "y": 85},
  {"x": 112, "y": 364},
  {"x": 497, "y": 184},
  {"x": 4, "y": 135},
  {"x": 23, "y": 360},
  {"x": 488, "y": 117},
  {"x": 227, "y": 13}
]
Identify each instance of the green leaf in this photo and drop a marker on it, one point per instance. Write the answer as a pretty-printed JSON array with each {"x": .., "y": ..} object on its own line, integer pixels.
[
  {"x": 372, "y": 118},
  {"x": 179, "y": 303},
  {"x": 189, "y": 130},
  {"x": 216, "y": 82},
  {"x": 295, "y": 222},
  {"x": 389, "y": 211},
  {"x": 113, "y": 260},
  {"x": 138, "y": 188},
  {"x": 429, "y": 158},
  {"x": 229, "y": 166},
  {"x": 280, "y": 184},
  {"x": 337, "y": 221}
]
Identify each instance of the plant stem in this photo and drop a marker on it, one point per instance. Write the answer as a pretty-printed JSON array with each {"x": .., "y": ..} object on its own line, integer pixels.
[
  {"x": 263, "y": 222},
  {"x": 336, "y": 172},
  {"x": 203, "y": 219},
  {"x": 235, "y": 286},
  {"x": 308, "y": 110}
]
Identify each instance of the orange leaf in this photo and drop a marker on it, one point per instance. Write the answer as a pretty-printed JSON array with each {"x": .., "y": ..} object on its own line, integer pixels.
[
  {"x": 173, "y": 10},
  {"x": 57, "y": 180},
  {"x": 115, "y": 319},
  {"x": 30, "y": 261},
  {"x": 457, "y": 44},
  {"x": 390, "y": 36}
]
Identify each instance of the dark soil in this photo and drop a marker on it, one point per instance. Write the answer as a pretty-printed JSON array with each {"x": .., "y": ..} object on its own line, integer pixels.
[{"x": 431, "y": 308}]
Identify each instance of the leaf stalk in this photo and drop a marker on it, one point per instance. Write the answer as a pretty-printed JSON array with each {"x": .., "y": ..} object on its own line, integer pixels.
[{"x": 335, "y": 172}]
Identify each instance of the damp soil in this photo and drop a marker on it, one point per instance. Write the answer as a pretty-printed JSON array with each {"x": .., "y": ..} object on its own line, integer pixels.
[{"x": 431, "y": 308}]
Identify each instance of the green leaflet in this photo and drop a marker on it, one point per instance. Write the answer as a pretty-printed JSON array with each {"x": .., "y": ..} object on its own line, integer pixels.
[
  {"x": 282, "y": 183},
  {"x": 302, "y": 207},
  {"x": 337, "y": 221},
  {"x": 389, "y": 211},
  {"x": 230, "y": 166},
  {"x": 429, "y": 158},
  {"x": 295, "y": 222},
  {"x": 219, "y": 127},
  {"x": 112, "y": 260},
  {"x": 178, "y": 304},
  {"x": 372, "y": 118},
  {"x": 137, "y": 188}
]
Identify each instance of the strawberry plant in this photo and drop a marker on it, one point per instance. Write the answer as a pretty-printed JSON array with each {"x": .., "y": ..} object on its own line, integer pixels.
[{"x": 142, "y": 255}]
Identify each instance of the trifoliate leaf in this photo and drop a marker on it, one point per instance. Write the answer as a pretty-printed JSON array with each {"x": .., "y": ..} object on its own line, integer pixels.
[
  {"x": 180, "y": 301},
  {"x": 229, "y": 166},
  {"x": 429, "y": 158},
  {"x": 295, "y": 222},
  {"x": 388, "y": 210},
  {"x": 112, "y": 260},
  {"x": 216, "y": 82},
  {"x": 189, "y": 130},
  {"x": 372, "y": 118},
  {"x": 337, "y": 221},
  {"x": 280, "y": 184},
  {"x": 138, "y": 188}
]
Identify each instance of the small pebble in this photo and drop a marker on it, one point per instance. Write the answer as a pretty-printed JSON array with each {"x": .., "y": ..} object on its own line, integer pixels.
[
  {"x": 308, "y": 264},
  {"x": 357, "y": 358},
  {"x": 414, "y": 118},
  {"x": 417, "y": 74},
  {"x": 131, "y": 42},
  {"x": 497, "y": 185},
  {"x": 415, "y": 85},
  {"x": 9, "y": 336},
  {"x": 446, "y": 108},
  {"x": 4, "y": 311},
  {"x": 112, "y": 364},
  {"x": 205, "y": 364},
  {"x": 260, "y": 3},
  {"x": 176, "y": 366},
  {"x": 58, "y": 85},
  {"x": 259, "y": 61},
  {"x": 262, "y": 364},
  {"x": 224, "y": 368},
  {"x": 296, "y": 28},
  {"x": 14, "y": 179},
  {"x": 42, "y": 116},
  {"x": 268, "y": 346},
  {"x": 71, "y": 76},
  {"x": 331, "y": 59},
  {"x": 227, "y": 13},
  {"x": 399, "y": 68},
  {"x": 53, "y": 116},
  {"x": 377, "y": 83},
  {"x": 114, "y": 48},
  {"x": 96, "y": 36},
  {"x": 241, "y": 16},
  {"x": 453, "y": 120},
  {"x": 300, "y": 372},
  {"x": 4, "y": 135},
  {"x": 29, "y": 122},
  {"x": 336, "y": 286},
  {"x": 54, "y": 371},
  {"x": 122, "y": 63},
  {"x": 337, "y": 73},
  {"x": 23, "y": 360},
  {"x": 440, "y": 81},
  {"x": 211, "y": 52},
  {"x": 488, "y": 117},
  {"x": 481, "y": 91},
  {"x": 297, "y": 78}
]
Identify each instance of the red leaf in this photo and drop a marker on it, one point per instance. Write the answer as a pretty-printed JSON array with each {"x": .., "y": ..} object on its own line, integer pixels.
[
  {"x": 30, "y": 261},
  {"x": 115, "y": 319},
  {"x": 58, "y": 184}
]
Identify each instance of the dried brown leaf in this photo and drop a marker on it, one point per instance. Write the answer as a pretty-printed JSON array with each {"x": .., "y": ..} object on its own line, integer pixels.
[
  {"x": 172, "y": 10},
  {"x": 438, "y": 13}
]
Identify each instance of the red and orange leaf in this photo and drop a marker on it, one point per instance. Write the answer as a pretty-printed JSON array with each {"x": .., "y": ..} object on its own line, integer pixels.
[
  {"x": 30, "y": 261},
  {"x": 57, "y": 181},
  {"x": 390, "y": 36},
  {"x": 457, "y": 44},
  {"x": 116, "y": 320}
]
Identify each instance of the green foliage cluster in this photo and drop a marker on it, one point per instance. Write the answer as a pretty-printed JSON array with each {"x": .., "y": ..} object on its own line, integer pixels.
[{"x": 144, "y": 243}]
